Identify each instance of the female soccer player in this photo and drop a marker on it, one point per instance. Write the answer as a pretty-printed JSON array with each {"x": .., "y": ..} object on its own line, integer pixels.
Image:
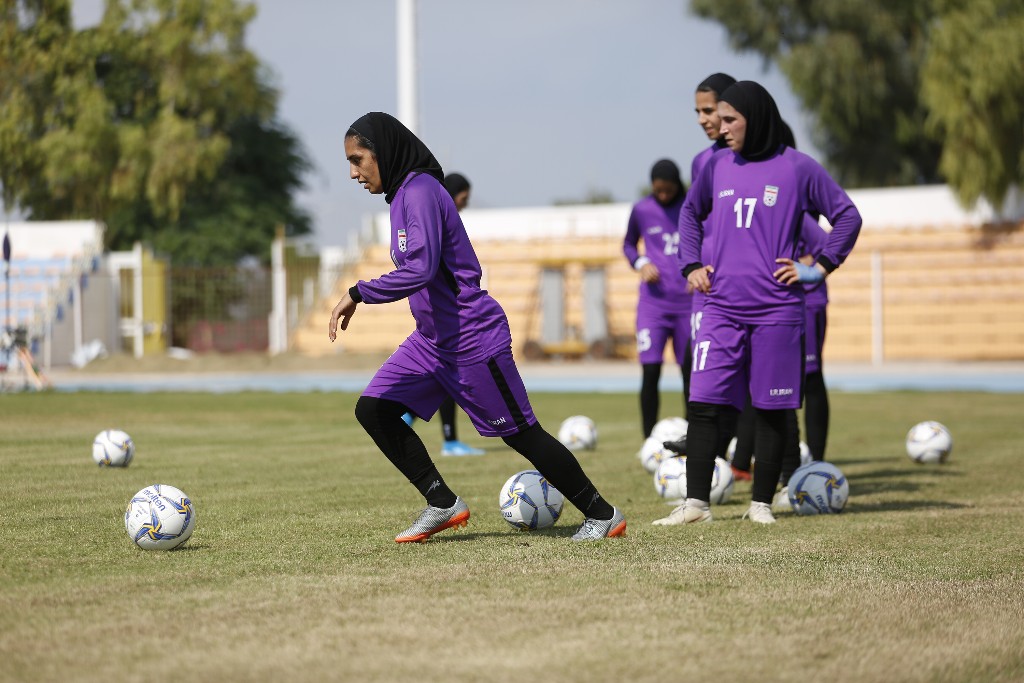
[
  {"x": 663, "y": 309},
  {"x": 461, "y": 347},
  {"x": 751, "y": 199}
]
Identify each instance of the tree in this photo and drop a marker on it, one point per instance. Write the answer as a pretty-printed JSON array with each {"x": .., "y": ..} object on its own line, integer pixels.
[
  {"x": 855, "y": 66},
  {"x": 972, "y": 85},
  {"x": 901, "y": 92},
  {"x": 158, "y": 121}
]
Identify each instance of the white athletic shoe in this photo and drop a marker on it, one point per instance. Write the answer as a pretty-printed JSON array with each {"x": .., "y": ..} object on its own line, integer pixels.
[
  {"x": 692, "y": 511},
  {"x": 780, "y": 503},
  {"x": 761, "y": 513}
]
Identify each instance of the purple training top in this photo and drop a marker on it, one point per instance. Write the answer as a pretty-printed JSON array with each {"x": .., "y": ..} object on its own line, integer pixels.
[
  {"x": 657, "y": 225},
  {"x": 438, "y": 271},
  {"x": 754, "y": 210},
  {"x": 812, "y": 241},
  {"x": 696, "y": 166}
]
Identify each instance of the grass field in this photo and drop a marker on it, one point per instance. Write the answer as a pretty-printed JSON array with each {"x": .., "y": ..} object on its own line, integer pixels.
[{"x": 292, "y": 573}]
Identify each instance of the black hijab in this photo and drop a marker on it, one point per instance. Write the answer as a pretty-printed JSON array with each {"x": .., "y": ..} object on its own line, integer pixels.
[
  {"x": 455, "y": 183},
  {"x": 716, "y": 83},
  {"x": 398, "y": 151},
  {"x": 666, "y": 169},
  {"x": 765, "y": 129}
]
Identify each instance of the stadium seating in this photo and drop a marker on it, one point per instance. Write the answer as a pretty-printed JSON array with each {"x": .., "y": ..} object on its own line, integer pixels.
[{"x": 946, "y": 293}]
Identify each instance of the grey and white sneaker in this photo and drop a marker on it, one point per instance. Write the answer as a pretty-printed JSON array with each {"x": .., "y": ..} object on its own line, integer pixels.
[
  {"x": 596, "y": 529},
  {"x": 760, "y": 513},
  {"x": 780, "y": 503},
  {"x": 432, "y": 520},
  {"x": 692, "y": 511}
]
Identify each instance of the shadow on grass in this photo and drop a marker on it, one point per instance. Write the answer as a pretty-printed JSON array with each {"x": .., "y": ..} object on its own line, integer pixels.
[
  {"x": 902, "y": 506},
  {"x": 520, "y": 537}
]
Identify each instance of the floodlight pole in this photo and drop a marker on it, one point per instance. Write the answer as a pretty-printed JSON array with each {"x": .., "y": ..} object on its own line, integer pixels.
[
  {"x": 408, "y": 105},
  {"x": 7, "y": 281}
]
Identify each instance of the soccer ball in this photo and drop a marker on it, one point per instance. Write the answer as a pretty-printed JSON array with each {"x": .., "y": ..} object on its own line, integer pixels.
[
  {"x": 669, "y": 429},
  {"x": 159, "y": 517},
  {"x": 722, "y": 482},
  {"x": 578, "y": 433},
  {"x": 527, "y": 501},
  {"x": 818, "y": 489},
  {"x": 114, "y": 448},
  {"x": 730, "y": 450},
  {"x": 670, "y": 478},
  {"x": 929, "y": 442},
  {"x": 652, "y": 453},
  {"x": 805, "y": 454}
]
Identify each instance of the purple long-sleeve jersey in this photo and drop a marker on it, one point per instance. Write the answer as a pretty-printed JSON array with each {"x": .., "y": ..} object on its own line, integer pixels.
[
  {"x": 438, "y": 271},
  {"x": 755, "y": 211},
  {"x": 696, "y": 166},
  {"x": 812, "y": 241},
  {"x": 657, "y": 225}
]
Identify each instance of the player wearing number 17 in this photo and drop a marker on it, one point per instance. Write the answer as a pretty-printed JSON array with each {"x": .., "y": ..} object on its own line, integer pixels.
[{"x": 752, "y": 197}]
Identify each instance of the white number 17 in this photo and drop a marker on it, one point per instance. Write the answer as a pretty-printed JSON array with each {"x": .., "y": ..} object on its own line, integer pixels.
[
  {"x": 751, "y": 202},
  {"x": 701, "y": 355}
]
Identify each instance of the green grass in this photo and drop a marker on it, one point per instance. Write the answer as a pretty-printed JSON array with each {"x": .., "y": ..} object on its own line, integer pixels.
[{"x": 292, "y": 573}]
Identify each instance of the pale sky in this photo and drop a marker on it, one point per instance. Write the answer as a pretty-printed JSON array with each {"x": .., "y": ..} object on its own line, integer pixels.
[{"x": 533, "y": 100}]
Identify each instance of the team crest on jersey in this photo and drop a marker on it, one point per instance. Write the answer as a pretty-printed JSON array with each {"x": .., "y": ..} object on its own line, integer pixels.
[
  {"x": 771, "y": 193},
  {"x": 402, "y": 241}
]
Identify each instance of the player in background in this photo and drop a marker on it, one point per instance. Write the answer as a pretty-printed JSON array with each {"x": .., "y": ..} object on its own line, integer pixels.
[
  {"x": 663, "y": 308},
  {"x": 751, "y": 200},
  {"x": 706, "y": 107},
  {"x": 461, "y": 346},
  {"x": 459, "y": 188}
]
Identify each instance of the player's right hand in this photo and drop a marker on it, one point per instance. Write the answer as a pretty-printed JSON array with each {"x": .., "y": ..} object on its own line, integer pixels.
[{"x": 344, "y": 311}]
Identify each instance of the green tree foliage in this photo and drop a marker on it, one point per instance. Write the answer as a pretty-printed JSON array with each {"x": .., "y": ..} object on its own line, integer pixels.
[
  {"x": 157, "y": 121},
  {"x": 973, "y": 86},
  {"x": 855, "y": 67}
]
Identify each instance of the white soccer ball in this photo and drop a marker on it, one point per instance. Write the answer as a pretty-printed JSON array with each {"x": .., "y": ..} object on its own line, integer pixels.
[
  {"x": 652, "y": 452},
  {"x": 527, "y": 501},
  {"x": 113, "y": 448},
  {"x": 730, "y": 450},
  {"x": 670, "y": 478},
  {"x": 578, "y": 433},
  {"x": 670, "y": 429},
  {"x": 159, "y": 517},
  {"x": 805, "y": 454},
  {"x": 722, "y": 482},
  {"x": 929, "y": 442},
  {"x": 818, "y": 489}
]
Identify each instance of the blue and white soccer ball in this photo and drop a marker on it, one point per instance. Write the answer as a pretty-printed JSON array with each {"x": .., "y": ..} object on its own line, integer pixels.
[
  {"x": 578, "y": 433},
  {"x": 528, "y": 502},
  {"x": 929, "y": 442},
  {"x": 113, "y": 448},
  {"x": 670, "y": 480},
  {"x": 159, "y": 517},
  {"x": 652, "y": 452},
  {"x": 670, "y": 429},
  {"x": 819, "y": 488}
]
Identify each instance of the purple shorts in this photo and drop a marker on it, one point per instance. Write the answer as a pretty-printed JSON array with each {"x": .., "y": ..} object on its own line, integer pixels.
[
  {"x": 731, "y": 358},
  {"x": 814, "y": 337},
  {"x": 490, "y": 391},
  {"x": 654, "y": 327}
]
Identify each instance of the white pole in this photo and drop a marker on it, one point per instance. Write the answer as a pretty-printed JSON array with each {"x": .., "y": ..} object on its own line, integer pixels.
[
  {"x": 408, "y": 106},
  {"x": 278, "y": 333},
  {"x": 877, "y": 310},
  {"x": 137, "y": 293}
]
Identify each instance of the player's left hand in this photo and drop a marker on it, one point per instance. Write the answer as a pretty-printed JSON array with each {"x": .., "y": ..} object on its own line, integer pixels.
[
  {"x": 793, "y": 272},
  {"x": 345, "y": 309}
]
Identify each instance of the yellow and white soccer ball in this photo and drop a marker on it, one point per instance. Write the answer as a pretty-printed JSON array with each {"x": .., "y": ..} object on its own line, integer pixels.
[
  {"x": 652, "y": 452},
  {"x": 113, "y": 448},
  {"x": 670, "y": 480},
  {"x": 578, "y": 433},
  {"x": 929, "y": 442},
  {"x": 160, "y": 517}
]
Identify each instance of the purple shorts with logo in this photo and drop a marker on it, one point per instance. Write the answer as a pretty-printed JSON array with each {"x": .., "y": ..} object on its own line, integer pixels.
[
  {"x": 814, "y": 337},
  {"x": 732, "y": 358},
  {"x": 654, "y": 327},
  {"x": 490, "y": 390}
]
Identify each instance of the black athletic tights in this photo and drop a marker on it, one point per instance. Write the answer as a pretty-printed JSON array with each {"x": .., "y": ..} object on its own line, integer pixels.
[
  {"x": 382, "y": 420},
  {"x": 650, "y": 399}
]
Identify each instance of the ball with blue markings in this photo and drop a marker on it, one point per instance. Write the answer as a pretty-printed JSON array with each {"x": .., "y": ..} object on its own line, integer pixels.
[
  {"x": 819, "y": 488},
  {"x": 528, "y": 502},
  {"x": 113, "y": 448},
  {"x": 160, "y": 517}
]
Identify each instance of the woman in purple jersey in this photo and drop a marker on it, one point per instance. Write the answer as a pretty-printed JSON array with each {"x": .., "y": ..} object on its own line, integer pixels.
[
  {"x": 663, "y": 308},
  {"x": 751, "y": 199},
  {"x": 461, "y": 346}
]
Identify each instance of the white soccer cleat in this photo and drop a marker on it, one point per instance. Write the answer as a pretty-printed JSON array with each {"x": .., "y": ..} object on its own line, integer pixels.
[
  {"x": 760, "y": 513},
  {"x": 691, "y": 512}
]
